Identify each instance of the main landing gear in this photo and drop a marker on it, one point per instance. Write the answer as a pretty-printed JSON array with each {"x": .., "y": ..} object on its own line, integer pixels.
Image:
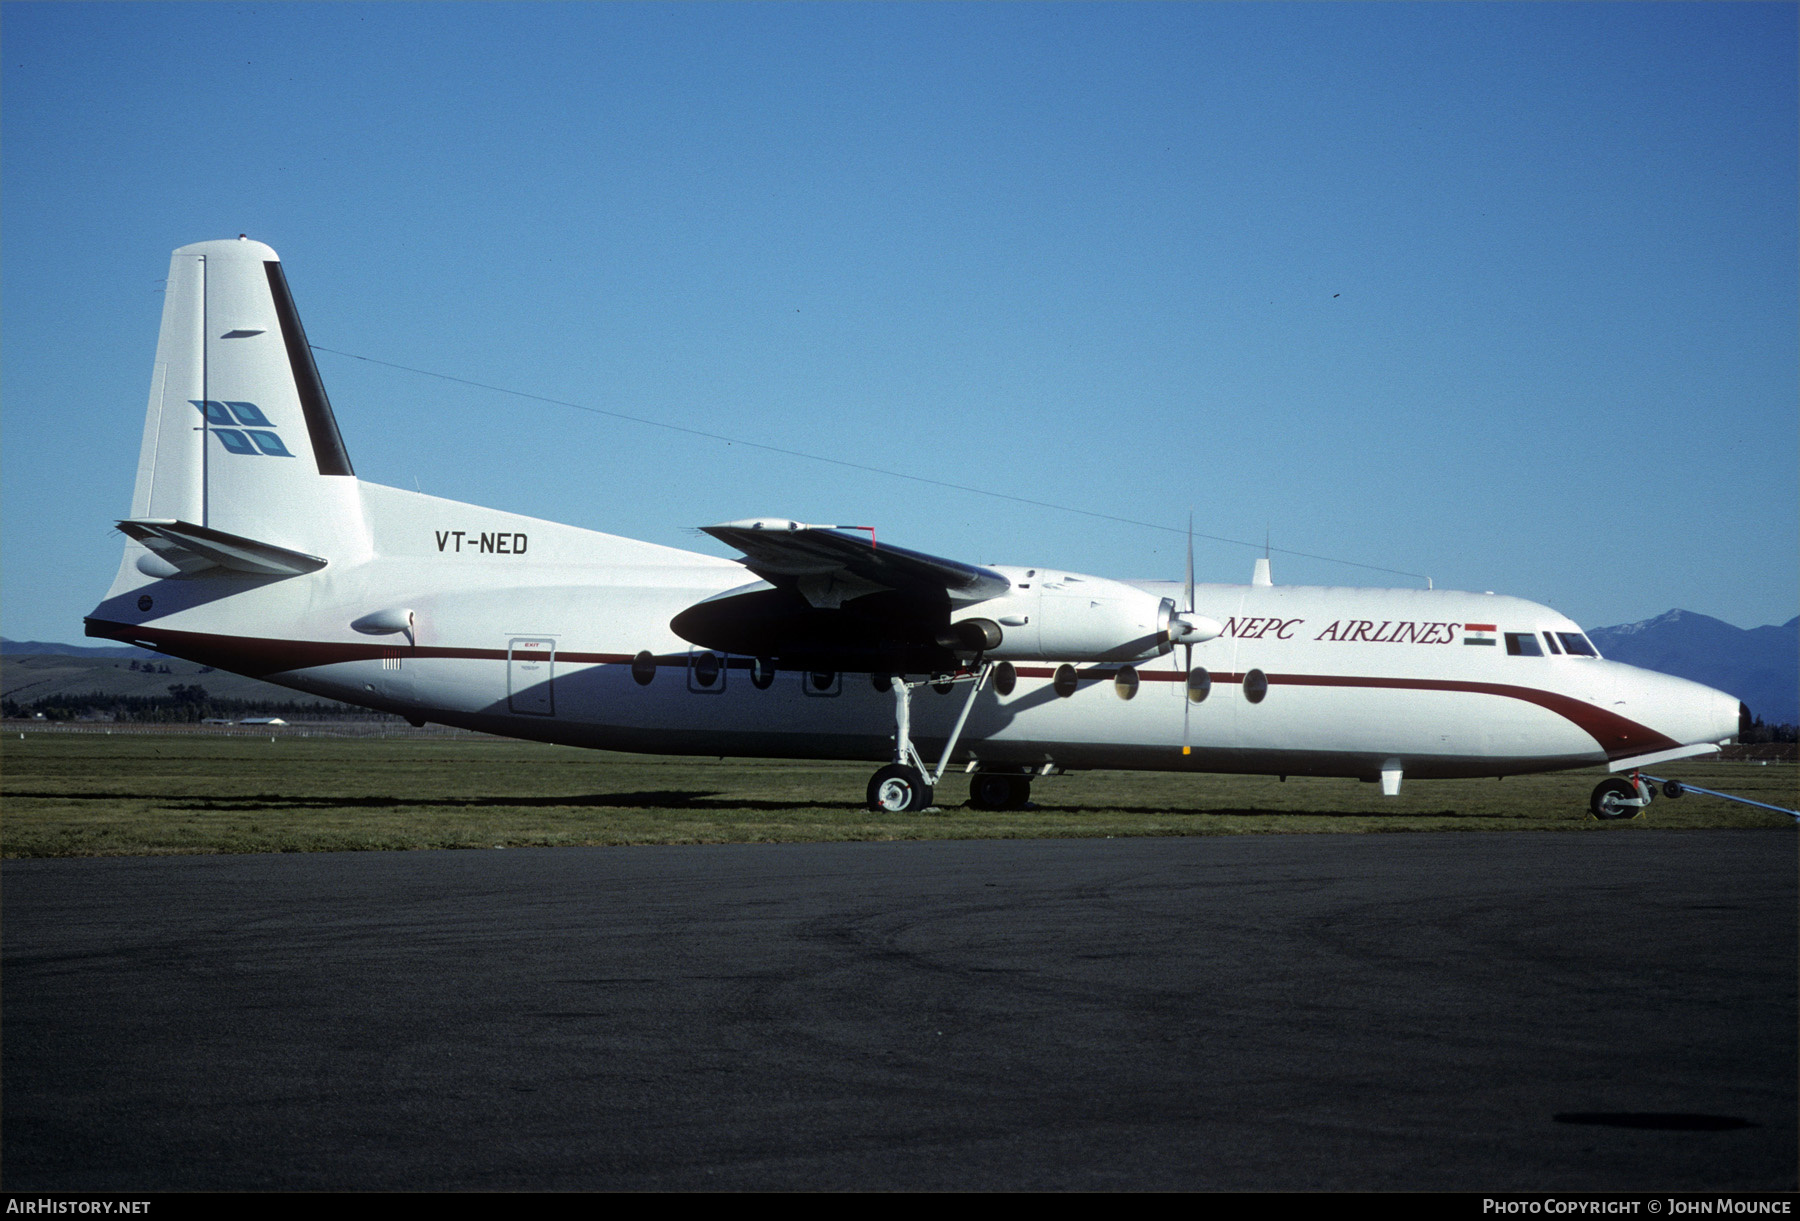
[
  {"x": 906, "y": 783},
  {"x": 899, "y": 787},
  {"x": 1000, "y": 790}
]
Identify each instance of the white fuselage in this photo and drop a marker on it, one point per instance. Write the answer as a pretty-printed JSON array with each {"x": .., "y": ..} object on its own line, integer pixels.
[
  {"x": 253, "y": 547},
  {"x": 527, "y": 628}
]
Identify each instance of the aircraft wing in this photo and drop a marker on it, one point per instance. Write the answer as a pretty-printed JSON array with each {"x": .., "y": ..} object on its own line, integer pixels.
[
  {"x": 829, "y": 566},
  {"x": 836, "y": 600}
]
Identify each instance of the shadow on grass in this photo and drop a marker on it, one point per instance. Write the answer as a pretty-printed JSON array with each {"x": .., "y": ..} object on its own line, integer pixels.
[
  {"x": 703, "y": 800},
  {"x": 1251, "y": 812},
  {"x": 707, "y": 802},
  {"x": 657, "y": 799},
  {"x": 661, "y": 799}
]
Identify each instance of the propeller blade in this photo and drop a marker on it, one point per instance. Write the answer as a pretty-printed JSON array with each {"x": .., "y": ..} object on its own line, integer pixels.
[
  {"x": 1190, "y": 564},
  {"x": 1188, "y": 648},
  {"x": 1186, "y": 703}
]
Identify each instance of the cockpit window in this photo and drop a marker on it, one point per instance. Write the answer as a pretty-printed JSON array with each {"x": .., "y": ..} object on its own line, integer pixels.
[
  {"x": 1576, "y": 645},
  {"x": 1550, "y": 639},
  {"x": 1523, "y": 644}
]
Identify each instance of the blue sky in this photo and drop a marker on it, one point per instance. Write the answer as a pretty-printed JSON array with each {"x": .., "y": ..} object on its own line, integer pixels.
[{"x": 1503, "y": 294}]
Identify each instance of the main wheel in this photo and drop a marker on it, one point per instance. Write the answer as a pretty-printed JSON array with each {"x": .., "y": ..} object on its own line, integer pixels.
[
  {"x": 897, "y": 788},
  {"x": 999, "y": 791},
  {"x": 1610, "y": 797}
]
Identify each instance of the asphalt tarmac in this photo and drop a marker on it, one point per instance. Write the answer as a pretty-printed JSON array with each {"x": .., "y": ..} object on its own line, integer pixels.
[{"x": 1570, "y": 1012}]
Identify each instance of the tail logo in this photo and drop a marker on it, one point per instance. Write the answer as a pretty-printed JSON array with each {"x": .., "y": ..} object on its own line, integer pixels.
[{"x": 242, "y": 428}]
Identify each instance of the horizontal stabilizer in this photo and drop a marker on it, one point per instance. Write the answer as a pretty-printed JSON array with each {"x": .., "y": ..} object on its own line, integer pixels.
[
  {"x": 192, "y": 548},
  {"x": 830, "y": 566}
]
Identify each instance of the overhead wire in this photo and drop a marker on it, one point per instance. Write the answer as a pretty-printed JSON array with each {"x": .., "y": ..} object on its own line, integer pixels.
[{"x": 855, "y": 466}]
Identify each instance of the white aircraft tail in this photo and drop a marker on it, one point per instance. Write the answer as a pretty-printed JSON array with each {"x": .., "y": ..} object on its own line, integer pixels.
[{"x": 241, "y": 453}]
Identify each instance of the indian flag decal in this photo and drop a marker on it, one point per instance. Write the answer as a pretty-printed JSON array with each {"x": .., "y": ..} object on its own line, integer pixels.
[{"x": 1478, "y": 633}]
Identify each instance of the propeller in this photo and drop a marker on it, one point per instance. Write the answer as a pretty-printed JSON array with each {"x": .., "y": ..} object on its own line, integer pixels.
[
  {"x": 1190, "y": 629},
  {"x": 1187, "y": 668}
]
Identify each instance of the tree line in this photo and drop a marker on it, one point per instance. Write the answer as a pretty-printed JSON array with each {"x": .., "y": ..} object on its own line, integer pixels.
[
  {"x": 1761, "y": 733},
  {"x": 186, "y": 703}
]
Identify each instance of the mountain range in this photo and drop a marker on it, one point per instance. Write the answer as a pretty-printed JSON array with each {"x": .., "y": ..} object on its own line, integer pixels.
[
  {"x": 1761, "y": 666},
  {"x": 12, "y": 648}
]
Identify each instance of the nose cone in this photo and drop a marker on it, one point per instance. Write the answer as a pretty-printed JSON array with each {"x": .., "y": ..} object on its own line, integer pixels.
[
  {"x": 1732, "y": 718},
  {"x": 1686, "y": 712}
]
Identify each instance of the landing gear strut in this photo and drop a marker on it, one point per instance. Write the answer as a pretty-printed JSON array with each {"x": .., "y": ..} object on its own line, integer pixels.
[{"x": 906, "y": 783}]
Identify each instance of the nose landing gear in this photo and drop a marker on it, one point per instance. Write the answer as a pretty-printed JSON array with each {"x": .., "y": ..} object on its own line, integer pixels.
[{"x": 1616, "y": 798}]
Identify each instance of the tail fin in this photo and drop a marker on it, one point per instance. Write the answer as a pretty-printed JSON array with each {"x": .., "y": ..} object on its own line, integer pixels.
[{"x": 239, "y": 437}]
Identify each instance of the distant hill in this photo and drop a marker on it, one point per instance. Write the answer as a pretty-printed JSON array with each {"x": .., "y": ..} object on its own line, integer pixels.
[
  {"x": 1761, "y": 666},
  {"x": 75, "y": 672},
  {"x": 14, "y": 648}
]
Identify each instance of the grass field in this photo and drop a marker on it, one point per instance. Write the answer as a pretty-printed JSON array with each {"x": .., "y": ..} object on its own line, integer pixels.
[{"x": 94, "y": 794}]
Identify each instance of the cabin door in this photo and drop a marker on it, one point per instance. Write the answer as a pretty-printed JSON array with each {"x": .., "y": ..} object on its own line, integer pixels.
[{"x": 530, "y": 675}]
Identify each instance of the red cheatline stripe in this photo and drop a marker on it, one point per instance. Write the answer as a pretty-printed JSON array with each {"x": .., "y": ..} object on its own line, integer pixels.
[
  {"x": 255, "y": 656},
  {"x": 1618, "y": 736}
]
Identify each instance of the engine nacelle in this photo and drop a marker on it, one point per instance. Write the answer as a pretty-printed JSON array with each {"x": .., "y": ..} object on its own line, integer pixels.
[
  {"x": 1052, "y": 616},
  {"x": 971, "y": 637}
]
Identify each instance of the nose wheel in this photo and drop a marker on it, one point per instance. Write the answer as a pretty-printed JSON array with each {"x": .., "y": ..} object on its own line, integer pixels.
[{"x": 1616, "y": 797}]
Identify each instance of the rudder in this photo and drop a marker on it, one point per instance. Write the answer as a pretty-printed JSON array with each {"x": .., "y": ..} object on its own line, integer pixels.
[{"x": 239, "y": 435}]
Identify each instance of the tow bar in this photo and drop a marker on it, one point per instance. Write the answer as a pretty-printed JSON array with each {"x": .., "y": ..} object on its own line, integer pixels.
[{"x": 1675, "y": 788}]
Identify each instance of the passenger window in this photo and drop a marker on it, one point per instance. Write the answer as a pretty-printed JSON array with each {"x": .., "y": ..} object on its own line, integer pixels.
[
  {"x": 706, "y": 672},
  {"x": 1576, "y": 645},
  {"x": 1006, "y": 677},
  {"x": 1199, "y": 685},
  {"x": 1523, "y": 644},
  {"x": 1256, "y": 686}
]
